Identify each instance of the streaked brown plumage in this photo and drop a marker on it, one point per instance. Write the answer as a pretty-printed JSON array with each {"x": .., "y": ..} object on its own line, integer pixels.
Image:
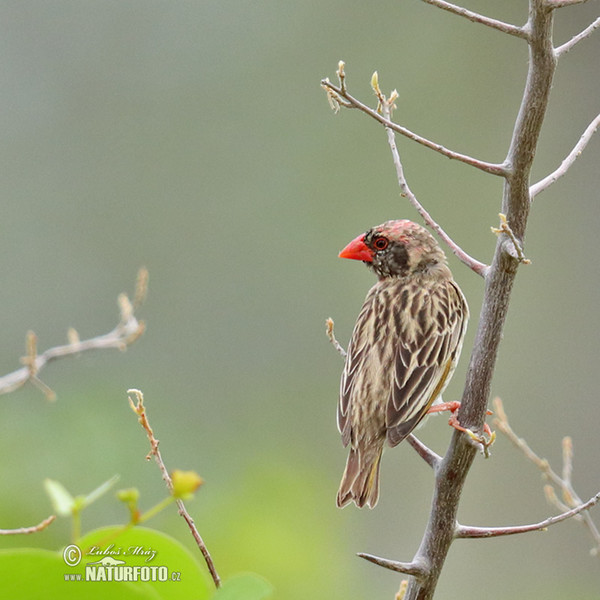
[{"x": 403, "y": 351}]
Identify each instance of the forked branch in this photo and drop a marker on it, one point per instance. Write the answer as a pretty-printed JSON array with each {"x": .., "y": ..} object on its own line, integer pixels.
[
  {"x": 127, "y": 331},
  {"x": 385, "y": 107},
  {"x": 520, "y": 32},
  {"x": 473, "y": 264},
  {"x": 451, "y": 472},
  {"x": 340, "y": 95}
]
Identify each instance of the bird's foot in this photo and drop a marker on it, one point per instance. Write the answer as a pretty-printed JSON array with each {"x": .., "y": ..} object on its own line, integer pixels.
[{"x": 484, "y": 440}]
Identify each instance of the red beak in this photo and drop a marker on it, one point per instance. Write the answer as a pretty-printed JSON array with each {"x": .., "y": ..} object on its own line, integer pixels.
[{"x": 357, "y": 250}]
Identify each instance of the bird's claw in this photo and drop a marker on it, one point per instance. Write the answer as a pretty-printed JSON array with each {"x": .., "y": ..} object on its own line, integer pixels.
[{"x": 482, "y": 440}]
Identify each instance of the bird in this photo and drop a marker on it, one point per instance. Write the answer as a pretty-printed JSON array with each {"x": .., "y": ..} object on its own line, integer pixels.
[{"x": 403, "y": 351}]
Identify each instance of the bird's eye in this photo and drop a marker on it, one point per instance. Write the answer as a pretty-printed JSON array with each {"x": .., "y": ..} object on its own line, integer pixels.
[{"x": 380, "y": 243}]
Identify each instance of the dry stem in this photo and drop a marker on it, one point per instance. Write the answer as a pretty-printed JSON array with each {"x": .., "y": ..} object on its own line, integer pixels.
[
  {"x": 571, "y": 500},
  {"x": 567, "y": 163},
  {"x": 27, "y": 530},
  {"x": 140, "y": 410},
  {"x": 520, "y": 32},
  {"x": 128, "y": 330},
  {"x": 341, "y": 96}
]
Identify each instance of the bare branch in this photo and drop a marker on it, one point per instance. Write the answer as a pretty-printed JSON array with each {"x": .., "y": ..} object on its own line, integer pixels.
[
  {"x": 487, "y": 532},
  {"x": 412, "y": 568},
  {"x": 27, "y": 530},
  {"x": 428, "y": 455},
  {"x": 123, "y": 335},
  {"x": 571, "y": 498},
  {"x": 452, "y": 473},
  {"x": 564, "y": 48},
  {"x": 345, "y": 99},
  {"x": 473, "y": 264},
  {"x": 519, "y": 32},
  {"x": 562, "y": 3},
  {"x": 567, "y": 163},
  {"x": 140, "y": 410}
]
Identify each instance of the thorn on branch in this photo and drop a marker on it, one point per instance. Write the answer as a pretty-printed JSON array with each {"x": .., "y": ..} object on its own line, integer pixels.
[
  {"x": 415, "y": 569},
  {"x": 505, "y": 229}
]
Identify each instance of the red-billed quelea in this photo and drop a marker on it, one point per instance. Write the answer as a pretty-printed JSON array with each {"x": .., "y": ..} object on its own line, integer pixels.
[{"x": 403, "y": 351}]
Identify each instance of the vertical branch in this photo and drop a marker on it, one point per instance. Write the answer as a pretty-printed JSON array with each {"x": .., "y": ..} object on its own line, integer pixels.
[{"x": 453, "y": 470}]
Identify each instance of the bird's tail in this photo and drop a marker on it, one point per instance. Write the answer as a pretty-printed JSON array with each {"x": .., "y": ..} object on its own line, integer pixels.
[{"x": 360, "y": 482}]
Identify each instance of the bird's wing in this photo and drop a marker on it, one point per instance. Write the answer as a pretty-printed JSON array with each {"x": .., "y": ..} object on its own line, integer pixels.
[
  {"x": 355, "y": 358},
  {"x": 430, "y": 326}
]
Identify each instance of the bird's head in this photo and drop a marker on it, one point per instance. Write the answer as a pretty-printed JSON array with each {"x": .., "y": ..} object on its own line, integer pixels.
[{"x": 398, "y": 249}]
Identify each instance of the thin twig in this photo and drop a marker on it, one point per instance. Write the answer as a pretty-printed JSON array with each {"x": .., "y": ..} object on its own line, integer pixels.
[
  {"x": 463, "y": 531},
  {"x": 331, "y": 335},
  {"x": 567, "y": 163},
  {"x": 569, "y": 495},
  {"x": 123, "y": 335},
  {"x": 426, "y": 453},
  {"x": 475, "y": 265},
  {"x": 140, "y": 410},
  {"x": 493, "y": 168},
  {"x": 27, "y": 530},
  {"x": 563, "y": 3},
  {"x": 519, "y": 32},
  {"x": 412, "y": 568},
  {"x": 564, "y": 48}
]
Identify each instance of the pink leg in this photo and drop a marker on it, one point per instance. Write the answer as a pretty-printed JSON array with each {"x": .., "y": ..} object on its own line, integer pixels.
[{"x": 453, "y": 421}]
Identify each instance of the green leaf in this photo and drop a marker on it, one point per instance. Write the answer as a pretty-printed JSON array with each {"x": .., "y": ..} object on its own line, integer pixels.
[
  {"x": 245, "y": 586},
  {"x": 61, "y": 499},
  {"x": 140, "y": 546},
  {"x": 35, "y": 574}
]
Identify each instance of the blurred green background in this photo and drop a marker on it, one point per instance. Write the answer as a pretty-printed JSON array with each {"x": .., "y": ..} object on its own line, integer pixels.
[{"x": 193, "y": 138}]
